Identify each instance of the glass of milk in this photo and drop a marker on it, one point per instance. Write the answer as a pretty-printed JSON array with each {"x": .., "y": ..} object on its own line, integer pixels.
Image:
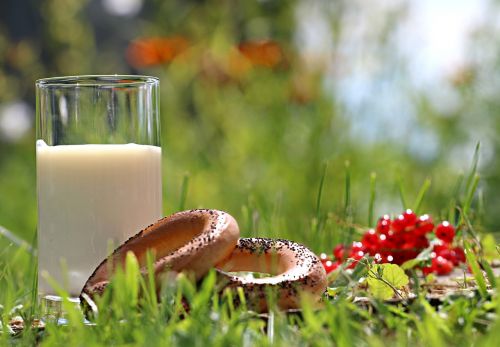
[{"x": 98, "y": 171}]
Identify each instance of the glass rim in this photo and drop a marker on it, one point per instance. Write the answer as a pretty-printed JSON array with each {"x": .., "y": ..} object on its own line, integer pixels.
[{"x": 97, "y": 81}]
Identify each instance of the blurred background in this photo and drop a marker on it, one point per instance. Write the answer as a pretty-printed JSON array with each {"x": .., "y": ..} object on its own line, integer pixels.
[{"x": 256, "y": 96}]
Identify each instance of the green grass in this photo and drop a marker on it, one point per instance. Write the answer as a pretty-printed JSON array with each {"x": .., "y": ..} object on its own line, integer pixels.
[{"x": 128, "y": 319}]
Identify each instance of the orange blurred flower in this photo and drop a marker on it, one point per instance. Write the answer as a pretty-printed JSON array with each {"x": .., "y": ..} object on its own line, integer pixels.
[
  {"x": 155, "y": 50},
  {"x": 237, "y": 64},
  {"x": 304, "y": 88},
  {"x": 265, "y": 53}
]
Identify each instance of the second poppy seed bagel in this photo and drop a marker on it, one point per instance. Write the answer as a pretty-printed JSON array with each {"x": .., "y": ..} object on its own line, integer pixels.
[{"x": 189, "y": 241}]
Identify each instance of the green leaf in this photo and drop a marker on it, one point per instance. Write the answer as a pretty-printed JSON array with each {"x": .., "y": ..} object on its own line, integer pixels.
[
  {"x": 410, "y": 264},
  {"x": 393, "y": 274},
  {"x": 384, "y": 278},
  {"x": 333, "y": 291},
  {"x": 379, "y": 289},
  {"x": 423, "y": 256}
]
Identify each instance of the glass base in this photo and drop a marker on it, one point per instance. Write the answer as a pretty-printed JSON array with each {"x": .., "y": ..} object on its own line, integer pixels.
[{"x": 53, "y": 311}]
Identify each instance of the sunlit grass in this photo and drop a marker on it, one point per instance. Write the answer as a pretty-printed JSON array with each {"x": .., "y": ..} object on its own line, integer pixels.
[
  {"x": 190, "y": 314},
  {"x": 214, "y": 319}
]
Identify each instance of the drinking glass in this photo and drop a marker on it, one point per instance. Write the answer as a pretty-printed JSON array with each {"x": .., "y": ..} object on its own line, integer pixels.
[{"x": 98, "y": 172}]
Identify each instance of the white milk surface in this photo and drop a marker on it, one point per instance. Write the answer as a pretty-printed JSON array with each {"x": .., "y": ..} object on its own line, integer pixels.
[{"x": 91, "y": 197}]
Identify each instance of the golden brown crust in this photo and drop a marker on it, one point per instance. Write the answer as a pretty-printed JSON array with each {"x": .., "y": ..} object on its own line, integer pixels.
[
  {"x": 294, "y": 268},
  {"x": 191, "y": 241}
]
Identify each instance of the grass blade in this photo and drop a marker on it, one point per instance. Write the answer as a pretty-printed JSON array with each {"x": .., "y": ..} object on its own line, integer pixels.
[
  {"x": 348, "y": 217},
  {"x": 421, "y": 194},
  {"x": 489, "y": 273},
  {"x": 452, "y": 208},
  {"x": 481, "y": 211},
  {"x": 473, "y": 170},
  {"x": 476, "y": 270},
  {"x": 347, "y": 186},
  {"x": 469, "y": 198},
  {"x": 402, "y": 193},
  {"x": 270, "y": 327},
  {"x": 371, "y": 202},
  {"x": 320, "y": 190},
  {"x": 458, "y": 186},
  {"x": 33, "y": 259},
  {"x": 15, "y": 239}
]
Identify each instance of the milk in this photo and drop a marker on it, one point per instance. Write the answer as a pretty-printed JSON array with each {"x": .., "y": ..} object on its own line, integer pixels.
[{"x": 89, "y": 197}]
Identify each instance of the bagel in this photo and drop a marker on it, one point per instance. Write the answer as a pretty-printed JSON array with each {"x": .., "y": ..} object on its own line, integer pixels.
[
  {"x": 189, "y": 241},
  {"x": 294, "y": 268}
]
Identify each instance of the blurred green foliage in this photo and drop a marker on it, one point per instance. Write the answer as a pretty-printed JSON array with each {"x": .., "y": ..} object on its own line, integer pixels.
[
  {"x": 253, "y": 126},
  {"x": 252, "y": 138}
]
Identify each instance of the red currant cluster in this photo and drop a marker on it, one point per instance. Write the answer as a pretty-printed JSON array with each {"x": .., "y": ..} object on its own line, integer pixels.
[{"x": 399, "y": 240}]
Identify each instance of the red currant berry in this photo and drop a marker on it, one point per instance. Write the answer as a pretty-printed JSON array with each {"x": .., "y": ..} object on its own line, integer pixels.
[
  {"x": 459, "y": 254},
  {"x": 440, "y": 246},
  {"x": 324, "y": 257},
  {"x": 357, "y": 246},
  {"x": 339, "y": 251},
  {"x": 424, "y": 225},
  {"x": 427, "y": 270},
  {"x": 421, "y": 242},
  {"x": 330, "y": 266},
  {"x": 410, "y": 218},
  {"x": 403, "y": 256},
  {"x": 448, "y": 254},
  {"x": 378, "y": 258},
  {"x": 357, "y": 255},
  {"x": 441, "y": 265},
  {"x": 370, "y": 239},
  {"x": 445, "y": 231},
  {"x": 353, "y": 264},
  {"x": 386, "y": 244},
  {"x": 384, "y": 224},
  {"x": 408, "y": 246},
  {"x": 398, "y": 240},
  {"x": 398, "y": 224}
]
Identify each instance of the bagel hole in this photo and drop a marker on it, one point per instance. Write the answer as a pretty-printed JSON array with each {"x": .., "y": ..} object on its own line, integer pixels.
[
  {"x": 249, "y": 275},
  {"x": 265, "y": 265}
]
